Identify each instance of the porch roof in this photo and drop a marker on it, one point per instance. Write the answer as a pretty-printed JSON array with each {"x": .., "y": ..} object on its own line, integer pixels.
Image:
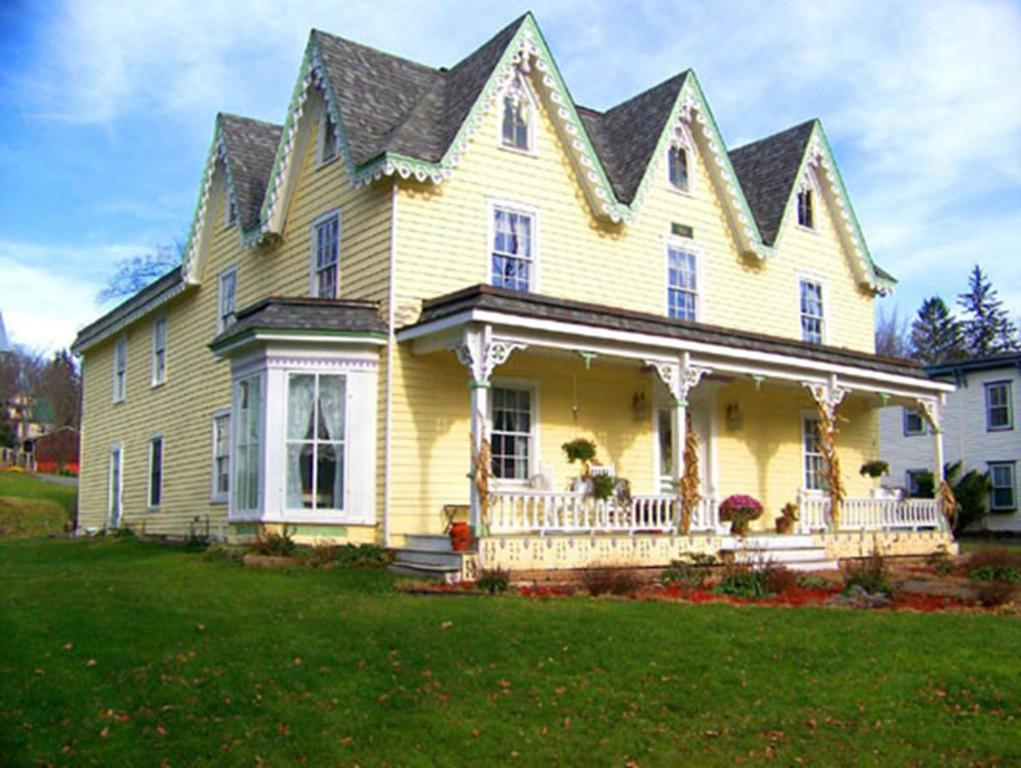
[{"x": 531, "y": 305}]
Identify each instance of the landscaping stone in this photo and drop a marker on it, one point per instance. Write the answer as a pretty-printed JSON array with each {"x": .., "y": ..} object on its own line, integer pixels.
[{"x": 857, "y": 597}]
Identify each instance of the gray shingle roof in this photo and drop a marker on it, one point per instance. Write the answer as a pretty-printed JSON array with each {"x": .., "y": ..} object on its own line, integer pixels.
[
  {"x": 251, "y": 147},
  {"x": 279, "y": 313},
  {"x": 550, "y": 308},
  {"x": 136, "y": 305},
  {"x": 766, "y": 170}
]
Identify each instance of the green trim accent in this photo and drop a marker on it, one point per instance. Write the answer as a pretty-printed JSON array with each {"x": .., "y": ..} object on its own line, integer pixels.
[
  {"x": 207, "y": 172},
  {"x": 245, "y": 529},
  {"x": 587, "y": 356},
  {"x": 475, "y": 384},
  {"x": 250, "y": 333},
  {"x": 307, "y": 529}
]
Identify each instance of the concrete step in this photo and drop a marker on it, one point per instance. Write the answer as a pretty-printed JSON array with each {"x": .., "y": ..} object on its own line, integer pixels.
[
  {"x": 428, "y": 557},
  {"x": 779, "y": 555},
  {"x": 813, "y": 565},
  {"x": 425, "y": 571},
  {"x": 792, "y": 541},
  {"x": 428, "y": 542}
]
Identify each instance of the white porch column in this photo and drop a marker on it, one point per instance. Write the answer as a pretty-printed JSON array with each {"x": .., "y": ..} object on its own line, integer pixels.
[
  {"x": 480, "y": 353},
  {"x": 930, "y": 410},
  {"x": 679, "y": 378}
]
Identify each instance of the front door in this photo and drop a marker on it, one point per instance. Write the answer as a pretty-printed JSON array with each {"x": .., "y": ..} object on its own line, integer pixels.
[
  {"x": 700, "y": 411},
  {"x": 113, "y": 514}
]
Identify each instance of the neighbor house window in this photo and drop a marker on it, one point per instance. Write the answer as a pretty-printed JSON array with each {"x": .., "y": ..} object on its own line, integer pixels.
[
  {"x": 511, "y": 436},
  {"x": 120, "y": 369},
  {"x": 328, "y": 132},
  {"x": 155, "y": 472},
  {"x": 159, "y": 350},
  {"x": 806, "y": 215},
  {"x": 221, "y": 456},
  {"x": 811, "y": 312},
  {"x": 512, "y": 255},
  {"x": 999, "y": 413},
  {"x": 677, "y": 168},
  {"x": 326, "y": 256},
  {"x": 913, "y": 422},
  {"x": 814, "y": 459},
  {"x": 316, "y": 409},
  {"x": 247, "y": 442},
  {"x": 1003, "y": 496},
  {"x": 915, "y": 480},
  {"x": 682, "y": 287},
  {"x": 516, "y": 129},
  {"x": 227, "y": 302}
]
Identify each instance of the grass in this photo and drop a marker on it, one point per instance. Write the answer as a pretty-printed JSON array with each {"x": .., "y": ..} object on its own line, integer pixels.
[
  {"x": 32, "y": 507},
  {"x": 123, "y": 652}
]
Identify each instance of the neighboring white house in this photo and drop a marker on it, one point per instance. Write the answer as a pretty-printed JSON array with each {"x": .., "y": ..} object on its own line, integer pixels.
[{"x": 979, "y": 428}]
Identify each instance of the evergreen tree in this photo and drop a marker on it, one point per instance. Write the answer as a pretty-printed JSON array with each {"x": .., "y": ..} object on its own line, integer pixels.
[
  {"x": 988, "y": 328},
  {"x": 936, "y": 335}
]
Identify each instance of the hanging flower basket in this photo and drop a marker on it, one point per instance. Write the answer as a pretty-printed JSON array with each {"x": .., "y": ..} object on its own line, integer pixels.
[{"x": 739, "y": 510}]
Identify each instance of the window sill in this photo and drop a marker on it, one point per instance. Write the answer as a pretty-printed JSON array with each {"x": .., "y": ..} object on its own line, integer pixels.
[
  {"x": 516, "y": 151},
  {"x": 688, "y": 193},
  {"x": 218, "y": 501},
  {"x": 324, "y": 163},
  {"x": 1009, "y": 428},
  {"x": 807, "y": 230},
  {"x": 157, "y": 384}
]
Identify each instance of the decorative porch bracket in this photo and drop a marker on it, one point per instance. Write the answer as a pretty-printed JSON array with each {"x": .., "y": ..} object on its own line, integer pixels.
[
  {"x": 480, "y": 353},
  {"x": 827, "y": 396}
]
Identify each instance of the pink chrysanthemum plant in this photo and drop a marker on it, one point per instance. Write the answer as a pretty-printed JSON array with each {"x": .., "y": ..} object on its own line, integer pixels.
[{"x": 740, "y": 509}]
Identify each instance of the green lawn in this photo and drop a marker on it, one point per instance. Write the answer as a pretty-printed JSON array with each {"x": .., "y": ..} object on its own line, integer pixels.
[
  {"x": 32, "y": 507},
  {"x": 120, "y": 652}
]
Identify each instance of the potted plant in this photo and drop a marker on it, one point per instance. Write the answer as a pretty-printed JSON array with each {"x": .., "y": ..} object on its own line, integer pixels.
[
  {"x": 875, "y": 469},
  {"x": 788, "y": 517},
  {"x": 740, "y": 510},
  {"x": 460, "y": 536},
  {"x": 581, "y": 450},
  {"x": 602, "y": 487}
]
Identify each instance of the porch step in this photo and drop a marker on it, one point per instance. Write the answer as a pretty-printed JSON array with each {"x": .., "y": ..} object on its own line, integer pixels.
[
  {"x": 797, "y": 553},
  {"x": 428, "y": 557},
  {"x": 432, "y": 543}
]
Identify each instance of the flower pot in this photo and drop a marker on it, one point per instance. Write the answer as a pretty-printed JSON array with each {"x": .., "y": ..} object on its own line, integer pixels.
[
  {"x": 784, "y": 524},
  {"x": 460, "y": 537},
  {"x": 739, "y": 527}
]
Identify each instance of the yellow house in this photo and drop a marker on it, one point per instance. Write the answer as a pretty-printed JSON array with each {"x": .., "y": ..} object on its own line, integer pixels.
[{"x": 397, "y": 307}]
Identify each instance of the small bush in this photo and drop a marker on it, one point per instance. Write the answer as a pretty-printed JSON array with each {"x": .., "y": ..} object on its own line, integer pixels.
[
  {"x": 362, "y": 556},
  {"x": 690, "y": 571},
  {"x": 941, "y": 562},
  {"x": 869, "y": 574},
  {"x": 741, "y": 580},
  {"x": 995, "y": 564},
  {"x": 275, "y": 544},
  {"x": 494, "y": 581},
  {"x": 996, "y": 593},
  {"x": 320, "y": 555},
  {"x": 778, "y": 579},
  {"x": 808, "y": 581},
  {"x": 223, "y": 552},
  {"x": 609, "y": 581}
]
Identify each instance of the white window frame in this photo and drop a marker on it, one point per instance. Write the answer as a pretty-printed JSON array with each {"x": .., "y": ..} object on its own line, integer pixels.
[
  {"x": 231, "y": 214},
  {"x": 1009, "y": 405},
  {"x": 534, "y": 440},
  {"x": 313, "y": 241},
  {"x": 120, "y": 369},
  {"x": 688, "y": 246},
  {"x": 908, "y": 474},
  {"x": 808, "y": 184},
  {"x": 533, "y": 116},
  {"x": 345, "y": 441},
  {"x": 215, "y": 495},
  {"x": 522, "y": 209},
  {"x": 324, "y": 118},
  {"x": 154, "y": 438},
  {"x": 992, "y": 467},
  {"x": 112, "y": 492},
  {"x": 681, "y": 139},
  {"x": 222, "y": 323},
  {"x": 806, "y": 277},
  {"x": 159, "y": 372},
  {"x": 807, "y": 416},
  {"x": 906, "y": 417},
  {"x": 236, "y": 511}
]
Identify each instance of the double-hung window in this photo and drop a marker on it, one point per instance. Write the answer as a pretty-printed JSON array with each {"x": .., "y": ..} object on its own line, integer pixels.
[
  {"x": 221, "y": 456},
  {"x": 806, "y": 214},
  {"x": 917, "y": 479},
  {"x": 1003, "y": 496},
  {"x": 814, "y": 458},
  {"x": 226, "y": 312},
  {"x": 913, "y": 423},
  {"x": 999, "y": 413},
  {"x": 155, "y": 495},
  {"x": 120, "y": 369},
  {"x": 247, "y": 443},
  {"x": 812, "y": 319},
  {"x": 677, "y": 168},
  {"x": 513, "y": 261},
  {"x": 316, "y": 415},
  {"x": 512, "y": 420},
  {"x": 326, "y": 256},
  {"x": 159, "y": 350},
  {"x": 682, "y": 283}
]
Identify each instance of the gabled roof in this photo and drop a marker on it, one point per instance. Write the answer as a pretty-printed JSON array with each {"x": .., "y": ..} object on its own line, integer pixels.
[
  {"x": 1002, "y": 360},
  {"x": 768, "y": 171},
  {"x": 249, "y": 148}
]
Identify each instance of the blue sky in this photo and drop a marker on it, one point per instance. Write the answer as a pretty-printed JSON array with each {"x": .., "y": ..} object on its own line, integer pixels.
[{"x": 106, "y": 113}]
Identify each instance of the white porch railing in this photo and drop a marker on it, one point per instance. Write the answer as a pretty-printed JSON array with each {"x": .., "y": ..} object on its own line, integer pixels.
[
  {"x": 528, "y": 511},
  {"x": 871, "y": 514}
]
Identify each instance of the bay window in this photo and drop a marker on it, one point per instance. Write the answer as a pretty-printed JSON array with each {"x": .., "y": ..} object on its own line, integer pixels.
[
  {"x": 247, "y": 443},
  {"x": 316, "y": 406}
]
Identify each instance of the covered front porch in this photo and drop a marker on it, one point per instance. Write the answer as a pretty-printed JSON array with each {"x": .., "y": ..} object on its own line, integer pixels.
[{"x": 683, "y": 417}]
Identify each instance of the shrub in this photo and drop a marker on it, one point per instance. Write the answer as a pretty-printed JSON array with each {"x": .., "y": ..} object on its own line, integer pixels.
[
  {"x": 274, "y": 544},
  {"x": 320, "y": 555},
  {"x": 362, "y": 556},
  {"x": 778, "y": 578},
  {"x": 690, "y": 571},
  {"x": 740, "y": 510},
  {"x": 995, "y": 564},
  {"x": 941, "y": 561},
  {"x": 970, "y": 491},
  {"x": 808, "y": 581},
  {"x": 741, "y": 580},
  {"x": 996, "y": 593},
  {"x": 494, "y": 581},
  {"x": 869, "y": 573},
  {"x": 605, "y": 580}
]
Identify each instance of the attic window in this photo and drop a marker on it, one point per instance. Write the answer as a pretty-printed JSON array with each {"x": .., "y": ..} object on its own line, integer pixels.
[
  {"x": 677, "y": 167},
  {"x": 806, "y": 217},
  {"x": 517, "y": 114},
  {"x": 328, "y": 144},
  {"x": 231, "y": 211}
]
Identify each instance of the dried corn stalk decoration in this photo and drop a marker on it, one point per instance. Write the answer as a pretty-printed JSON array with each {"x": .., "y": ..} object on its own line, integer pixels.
[
  {"x": 828, "y": 446},
  {"x": 481, "y": 473},
  {"x": 949, "y": 502},
  {"x": 690, "y": 482}
]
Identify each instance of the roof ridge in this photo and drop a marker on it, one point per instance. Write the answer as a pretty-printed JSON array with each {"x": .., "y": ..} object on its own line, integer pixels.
[
  {"x": 680, "y": 77},
  {"x": 235, "y": 116},
  {"x": 378, "y": 51},
  {"x": 811, "y": 121}
]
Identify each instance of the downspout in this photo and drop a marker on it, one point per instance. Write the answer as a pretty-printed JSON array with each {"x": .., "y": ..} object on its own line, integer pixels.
[{"x": 391, "y": 341}]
